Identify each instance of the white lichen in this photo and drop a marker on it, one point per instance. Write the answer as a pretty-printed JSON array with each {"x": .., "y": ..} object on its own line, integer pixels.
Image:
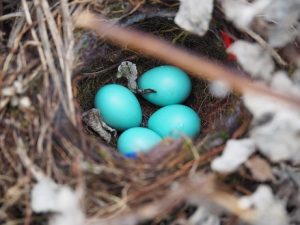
[
  {"x": 253, "y": 58},
  {"x": 195, "y": 15},
  {"x": 267, "y": 208},
  {"x": 236, "y": 152},
  {"x": 280, "y": 18},
  {"x": 47, "y": 196},
  {"x": 241, "y": 12},
  {"x": 278, "y": 136}
]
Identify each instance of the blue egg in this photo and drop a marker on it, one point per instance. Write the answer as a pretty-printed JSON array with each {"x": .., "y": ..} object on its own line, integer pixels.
[
  {"x": 175, "y": 121},
  {"x": 136, "y": 140},
  {"x": 172, "y": 85},
  {"x": 118, "y": 106}
]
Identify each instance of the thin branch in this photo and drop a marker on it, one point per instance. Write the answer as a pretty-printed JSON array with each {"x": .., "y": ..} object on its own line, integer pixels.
[
  {"x": 11, "y": 16},
  {"x": 34, "y": 34},
  {"x": 68, "y": 57},
  {"x": 265, "y": 45},
  {"x": 48, "y": 53},
  {"x": 199, "y": 189},
  {"x": 15, "y": 31},
  {"x": 25, "y": 160},
  {"x": 54, "y": 32}
]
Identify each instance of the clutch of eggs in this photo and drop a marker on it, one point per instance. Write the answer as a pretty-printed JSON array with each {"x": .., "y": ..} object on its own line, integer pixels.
[
  {"x": 172, "y": 121},
  {"x": 120, "y": 109}
]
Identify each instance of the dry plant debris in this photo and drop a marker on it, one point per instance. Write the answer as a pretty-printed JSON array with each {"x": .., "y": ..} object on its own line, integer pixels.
[{"x": 49, "y": 164}]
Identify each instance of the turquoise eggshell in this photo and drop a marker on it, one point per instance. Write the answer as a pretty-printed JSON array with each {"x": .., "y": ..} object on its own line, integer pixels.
[
  {"x": 118, "y": 106},
  {"x": 175, "y": 121},
  {"x": 136, "y": 140},
  {"x": 172, "y": 85}
]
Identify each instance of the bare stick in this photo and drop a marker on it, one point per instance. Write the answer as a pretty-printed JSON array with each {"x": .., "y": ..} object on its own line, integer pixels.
[
  {"x": 54, "y": 31},
  {"x": 265, "y": 45},
  {"x": 26, "y": 161},
  {"x": 200, "y": 190},
  {"x": 68, "y": 57},
  {"x": 34, "y": 34},
  {"x": 10, "y": 16},
  {"x": 48, "y": 53}
]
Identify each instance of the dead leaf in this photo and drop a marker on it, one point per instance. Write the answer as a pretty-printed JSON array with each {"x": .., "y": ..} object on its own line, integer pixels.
[{"x": 260, "y": 169}]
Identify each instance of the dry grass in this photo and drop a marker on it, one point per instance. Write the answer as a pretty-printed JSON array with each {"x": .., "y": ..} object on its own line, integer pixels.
[{"x": 44, "y": 69}]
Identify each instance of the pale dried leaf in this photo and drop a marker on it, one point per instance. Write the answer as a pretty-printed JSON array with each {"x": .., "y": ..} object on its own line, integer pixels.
[
  {"x": 260, "y": 169},
  {"x": 93, "y": 120},
  {"x": 194, "y": 15},
  {"x": 279, "y": 138}
]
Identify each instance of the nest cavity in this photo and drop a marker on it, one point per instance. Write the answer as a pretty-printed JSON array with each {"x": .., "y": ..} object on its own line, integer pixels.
[{"x": 99, "y": 62}]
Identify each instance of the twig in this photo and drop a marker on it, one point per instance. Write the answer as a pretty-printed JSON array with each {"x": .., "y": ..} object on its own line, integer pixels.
[
  {"x": 13, "y": 42},
  {"x": 48, "y": 53},
  {"x": 10, "y": 16},
  {"x": 265, "y": 45},
  {"x": 183, "y": 170},
  {"x": 17, "y": 27},
  {"x": 142, "y": 15},
  {"x": 242, "y": 129},
  {"x": 68, "y": 57},
  {"x": 54, "y": 32},
  {"x": 26, "y": 161},
  {"x": 34, "y": 34},
  {"x": 197, "y": 189},
  {"x": 1, "y": 13},
  {"x": 65, "y": 55},
  {"x": 198, "y": 66}
]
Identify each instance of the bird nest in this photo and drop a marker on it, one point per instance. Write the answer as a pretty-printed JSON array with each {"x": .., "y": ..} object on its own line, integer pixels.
[
  {"x": 220, "y": 117},
  {"x": 101, "y": 63},
  {"x": 42, "y": 123}
]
